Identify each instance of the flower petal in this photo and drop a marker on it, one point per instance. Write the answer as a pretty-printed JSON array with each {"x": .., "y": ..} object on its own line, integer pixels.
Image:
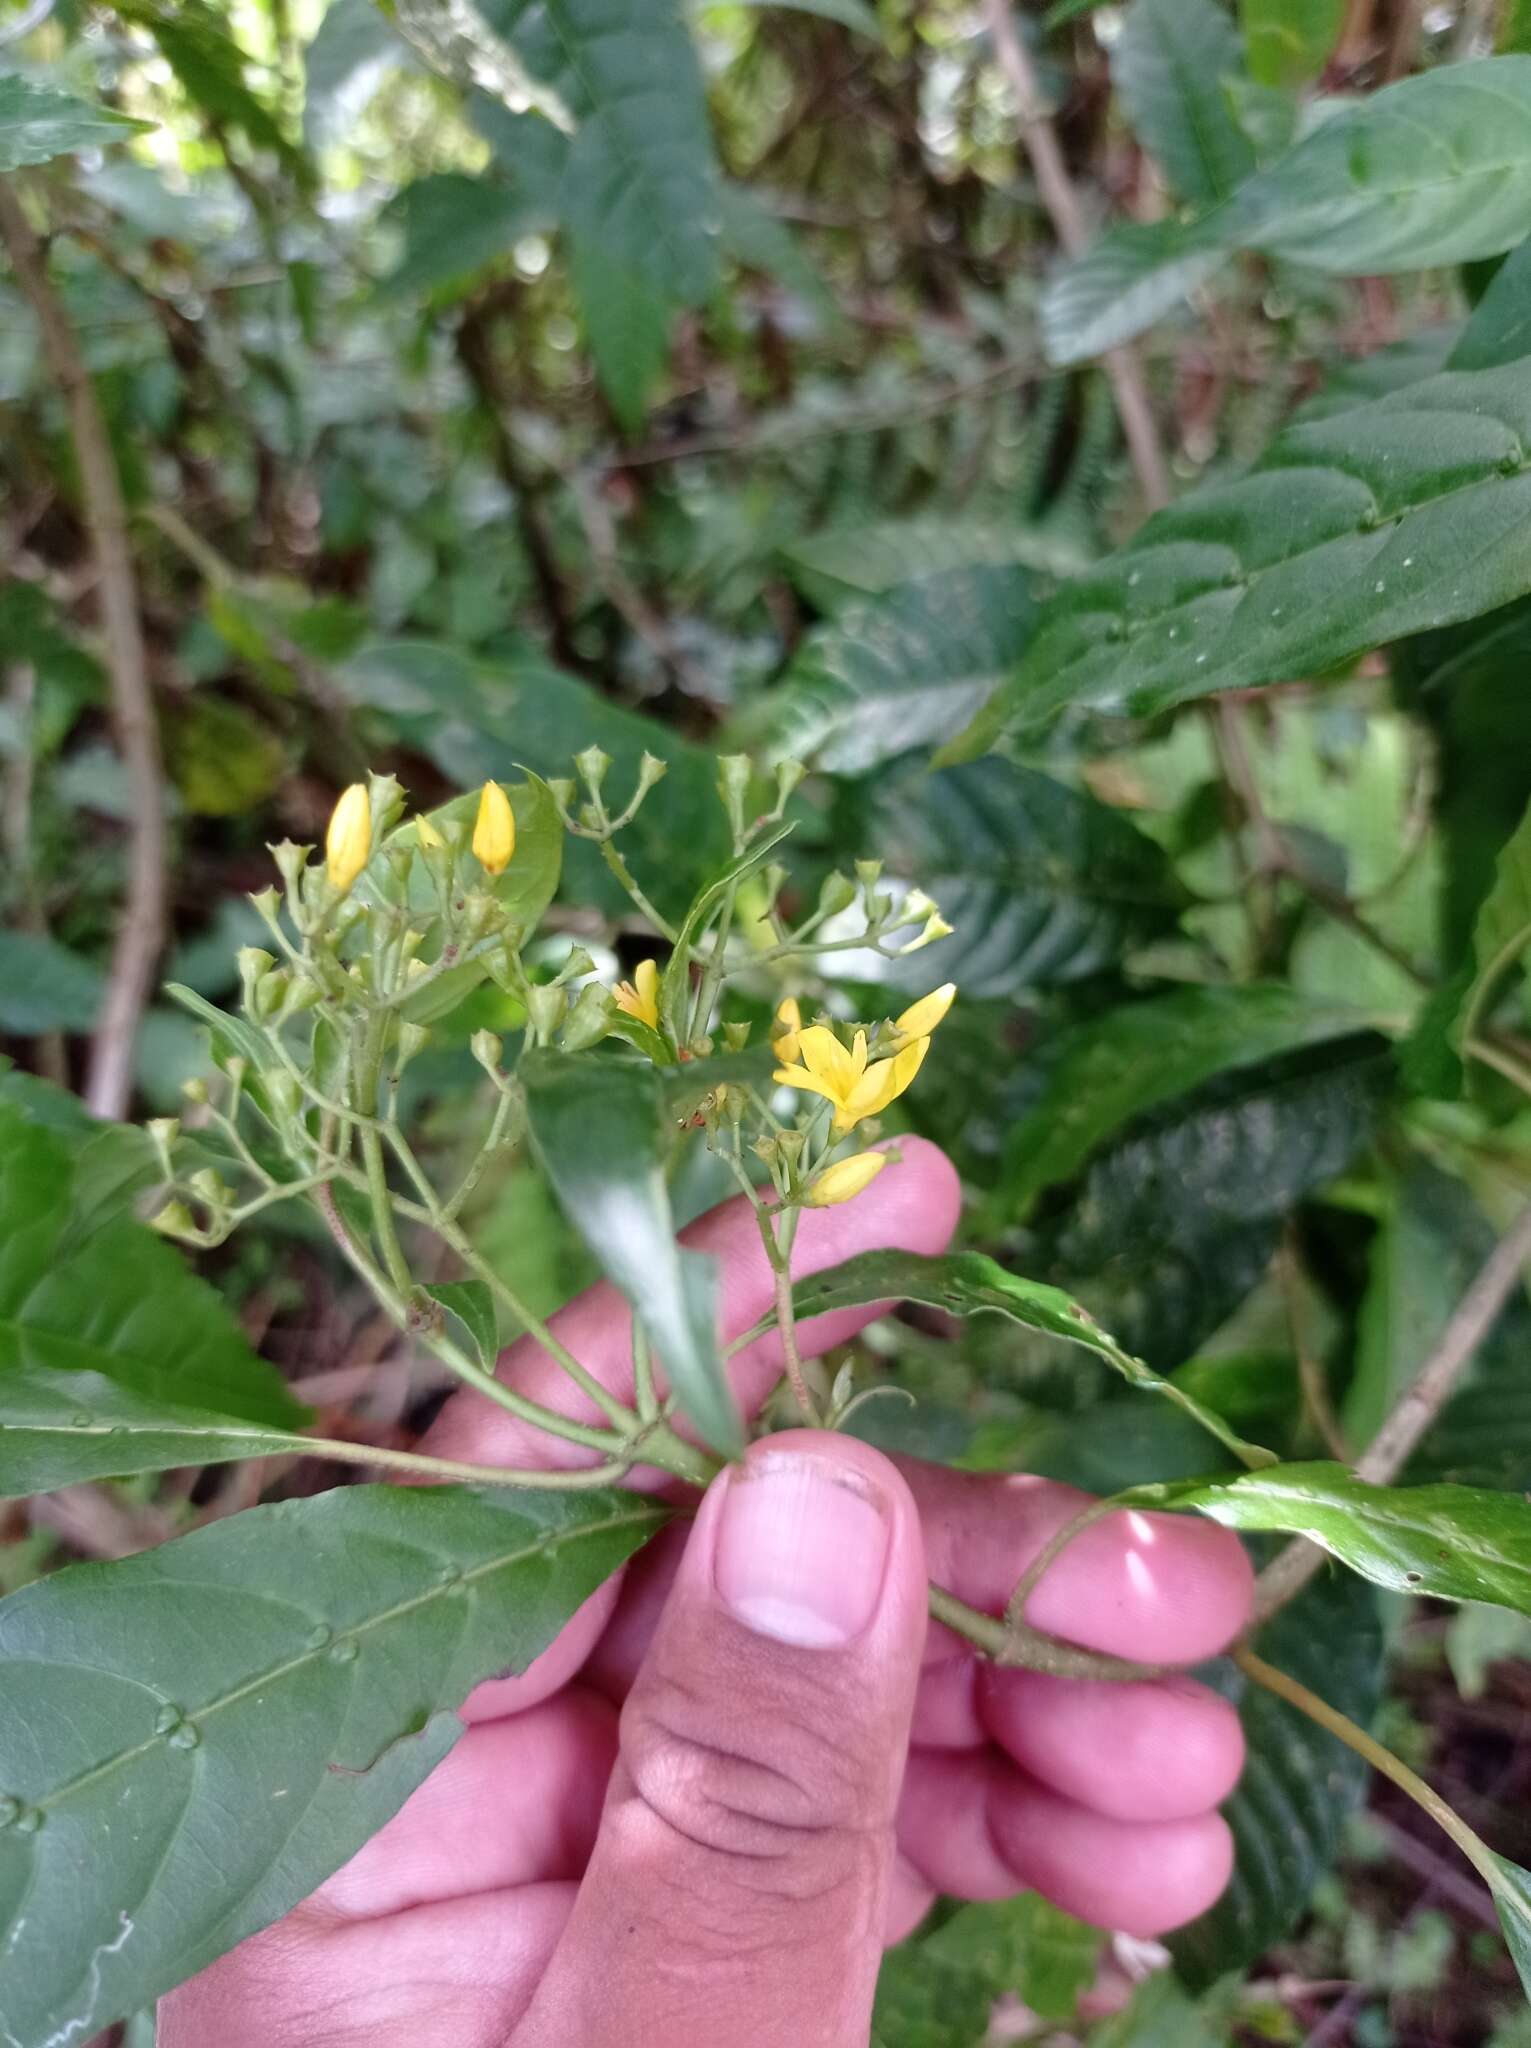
[{"x": 823, "y": 1054}]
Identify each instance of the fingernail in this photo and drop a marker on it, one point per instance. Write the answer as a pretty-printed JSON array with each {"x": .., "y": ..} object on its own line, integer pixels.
[{"x": 801, "y": 1550}]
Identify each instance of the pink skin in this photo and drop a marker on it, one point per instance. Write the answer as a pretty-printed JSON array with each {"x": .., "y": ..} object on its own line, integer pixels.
[{"x": 565, "y": 1877}]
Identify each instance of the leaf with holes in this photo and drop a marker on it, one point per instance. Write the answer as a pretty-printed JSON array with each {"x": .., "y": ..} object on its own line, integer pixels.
[
  {"x": 192, "y": 1739},
  {"x": 904, "y": 671},
  {"x": 602, "y": 1131},
  {"x": 1299, "y": 1784},
  {"x": 1168, "y": 68},
  {"x": 1378, "y": 522},
  {"x": 1448, "y": 1542}
]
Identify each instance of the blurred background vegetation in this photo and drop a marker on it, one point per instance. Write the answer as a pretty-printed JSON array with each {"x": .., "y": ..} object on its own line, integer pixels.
[{"x": 445, "y": 447}]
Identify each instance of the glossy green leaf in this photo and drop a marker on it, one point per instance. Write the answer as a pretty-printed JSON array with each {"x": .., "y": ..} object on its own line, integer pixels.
[
  {"x": 627, "y": 322},
  {"x": 833, "y": 565},
  {"x": 471, "y": 1302},
  {"x": 969, "y": 1284},
  {"x": 1434, "y": 169},
  {"x": 1499, "y": 330},
  {"x": 45, "y": 987},
  {"x": 1350, "y": 531},
  {"x": 1299, "y": 1784},
  {"x": 193, "y": 1738},
  {"x": 1449, "y": 1542},
  {"x": 1042, "y": 884},
  {"x": 903, "y": 671},
  {"x": 1113, "y": 1067},
  {"x": 1288, "y": 41},
  {"x": 1168, "y": 68},
  {"x": 86, "y": 1313},
  {"x": 38, "y": 122},
  {"x": 1502, "y": 931},
  {"x": 602, "y": 1133},
  {"x": 1129, "y": 278},
  {"x": 938, "y": 1989}
]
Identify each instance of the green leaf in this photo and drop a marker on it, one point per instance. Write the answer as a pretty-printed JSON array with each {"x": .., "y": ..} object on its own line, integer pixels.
[
  {"x": 1499, "y": 330},
  {"x": 904, "y": 671},
  {"x": 45, "y": 987},
  {"x": 1448, "y": 1542},
  {"x": 352, "y": 47},
  {"x": 1350, "y": 531},
  {"x": 211, "y": 68},
  {"x": 937, "y": 1989},
  {"x": 1512, "y": 1898},
  {"x": 869, "y": 557},
  {"x": 627, "y": 323},
  {"x": 1129, "y": 278},
  {"x": 1113, "y": 1067},
  {"x": 84, "y": 1312},
  {"x": 196, "y": 1737},
  {"x": 1435, "y": 169},
  {"x": 38, "y": 122},
  {"x": 675, "y": 984},
  {"x": 452, "y": 226},
  {"x": 601, "y": 1132},
  {"x": 1299, "y": 1783},
  {"x": 1289, "y": 41},
  {"x": 853, "y": 14},
  {"x": 1042, "y": 884},
  {"x": 1502, "y": 931},
  {"x": 1168, "y": 68},
  {"x": 472, "y": 1303},
  {"x": 1160, "y": 2014},
  {"x": 969, "y": 1284}
]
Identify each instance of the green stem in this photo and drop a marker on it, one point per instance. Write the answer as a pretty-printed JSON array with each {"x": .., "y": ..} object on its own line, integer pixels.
[
  {"x": 646, "y": 1399},
  {"x": 623, "y": 873},
  {"x": 712, "y": 978},
  {"x": 1451, "y": 1823},
  {"x": 452, "y": 1469},
  {"x": 1022, "y": 1648},
  {"x": 1048, "y": 1555},
  {"x": 475, "y": 1173}
]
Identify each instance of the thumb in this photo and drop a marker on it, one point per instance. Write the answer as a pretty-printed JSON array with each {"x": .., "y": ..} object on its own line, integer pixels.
[{"x": 739, "y": 1882}]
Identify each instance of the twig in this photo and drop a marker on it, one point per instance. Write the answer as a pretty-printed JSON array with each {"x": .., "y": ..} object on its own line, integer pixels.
[
  {"x": 16, "y": 839},
  {"x": 1040, "y": 141},
  {"x": 141, "y": 930},
  {"x": 1310, "y": 1371},
  {"x": 1389, "y": 1451}
]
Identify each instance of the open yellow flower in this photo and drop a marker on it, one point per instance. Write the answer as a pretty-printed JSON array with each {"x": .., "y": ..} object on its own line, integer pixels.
[
  {"x": 785, "y": 1030},
  {"x": 841, "y": 1075},
  {"x": 921, "y": 1018},
  {"x": 494, "y": 830},
  {"x": 640, "y": 997},
  {"x": 845, "y": 1179},
  {"x": 348, "y": 842}
]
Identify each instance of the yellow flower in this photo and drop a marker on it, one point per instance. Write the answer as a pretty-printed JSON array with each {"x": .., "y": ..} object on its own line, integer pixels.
[
  {"x": 348, "y": 843},
  {"x": 846, "y": 1178},
  {"x": 427, "y": 837},
  {"x": 843, "y": 1077},
  {"x": 785, "y": 1028},
  {"x": 921, "y": 1018},
  {"x": 641, "y": 1000},
  {"x": 494, "y": 830}
]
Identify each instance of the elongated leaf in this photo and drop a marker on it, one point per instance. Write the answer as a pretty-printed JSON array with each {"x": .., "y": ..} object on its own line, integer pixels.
[
  {"x": 1288, "y": 41},
  {"x": 37, "y": 122},
  {"x": 1384, "y": 520},
  {"x": 1503, "y": 929},
  {"x": 1126, "y": 280},
  {"x": 1512, "y": 1897},
  {"x": 1041, "y": 883},
  {"x": 1168, "y": 68},
  {"x": 1435, "y": 169},
  {"x": 968, "y": 1284},
  {"x": 1451, "y": 1542},
  {"x": 115, "y": 1306},
  {"x": 1500, "y": 328},
  {"x": 904, "y": 671},
  {"x": 472, "y": 1303},
  {"x": 1115, "y": 1066},
  {"x": 192, "y": 1739},
  {"x": 601, "y": 1131},
  {"x": 1299, "y": 1784}
]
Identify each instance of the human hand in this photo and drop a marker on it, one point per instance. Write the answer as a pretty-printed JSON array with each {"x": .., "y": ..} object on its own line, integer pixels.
[{"x": 750, "y": 1761}]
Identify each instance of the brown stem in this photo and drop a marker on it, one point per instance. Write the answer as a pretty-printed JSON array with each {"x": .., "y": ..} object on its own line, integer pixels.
[
  {"x": 141, "y": 930},
  {"x": 1040, "y": 140},
  {"x": 1389, "y": 1450},
  {"x": 16, "y": 839}
]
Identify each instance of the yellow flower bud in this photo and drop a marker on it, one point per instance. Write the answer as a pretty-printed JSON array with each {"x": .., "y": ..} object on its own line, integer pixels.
[
  {"x": 427, "y": 837},
  {"x": 845, "y": 1179},
  {"x": 921, "y": 1018},
  {"x": 494, "y": 830},
  {"x": 348, "y": 843},
  {"x": 785, "y": 1030}
]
